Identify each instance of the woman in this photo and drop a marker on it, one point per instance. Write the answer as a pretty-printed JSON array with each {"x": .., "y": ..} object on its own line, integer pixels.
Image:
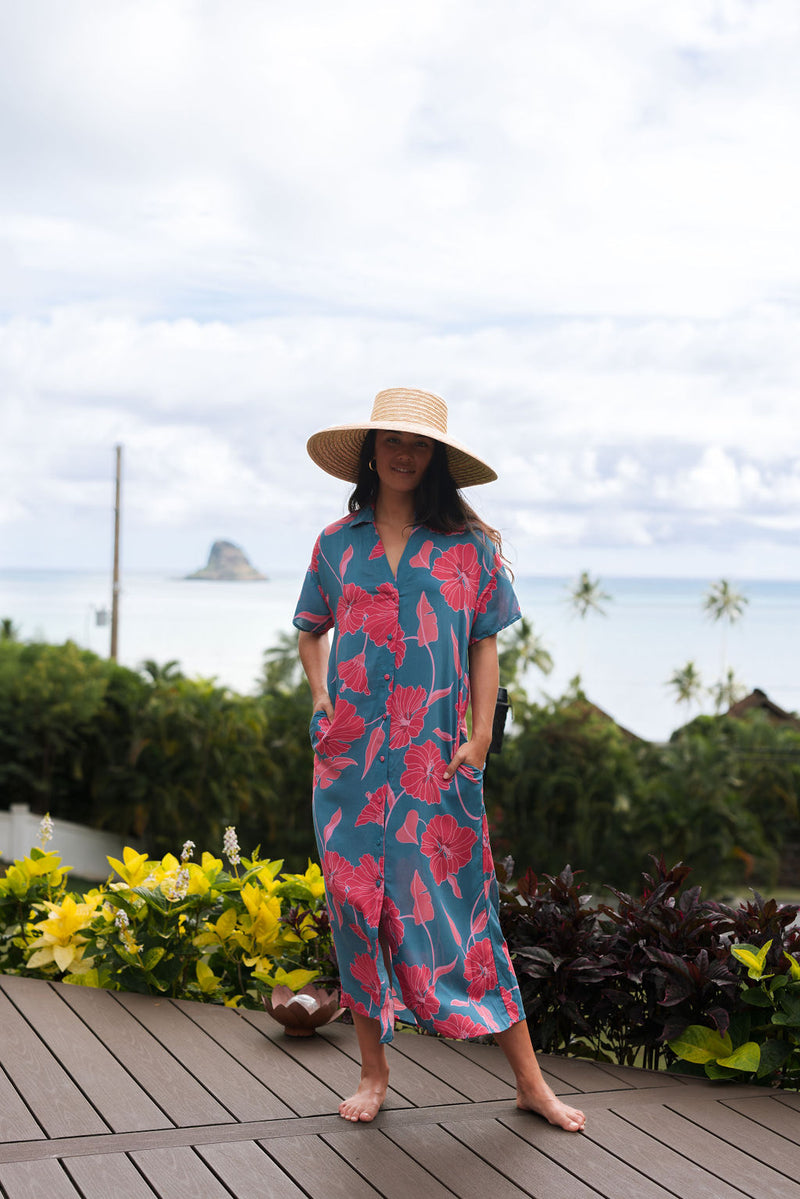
[{"x": 412, "y": 585}]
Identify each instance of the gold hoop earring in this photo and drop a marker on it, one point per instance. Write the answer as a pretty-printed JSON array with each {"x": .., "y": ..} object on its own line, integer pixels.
[{"x": 371, "y": 465}]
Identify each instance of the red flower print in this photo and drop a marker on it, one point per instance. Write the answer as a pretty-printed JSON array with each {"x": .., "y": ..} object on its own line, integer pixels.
[
  {"x": 366, "y": 889},
  {"x": 391, "y": 925},
  {"x": 338, "y": 874},
  {"x": 353, "y": 673},
  {"x": 461, "y": 1028},
  {"x": 407, "y": 711},
  {"x": 338, "y": 735},
  {"x": 399, "y": 647},
  {"x": 423, "y": 776},
  {"x": 423, "y": 557},
  {"x": 352, "y": 608},
  {"x": 314, "y": 558},
  {"x": 459, "y": 572},
  {"x": 486, "y": 845},
  {"x": 373, "y": 810},
  {"x": 428, "y": 630},
  {"x": 423, "y": 908},
  {"x": 486, "y": 595},
  {"x": 448, "y": 845},
  {"x": 364, "y": 968},
  {"x": 382, "y": 614},
  {"x": 327, "y": 770},
  {"x": 480, "y": 970},
  {"x": 353, "y": 1004},
  {"x": 511, "y": 1006},
  {"x": 415, "y": 987}
]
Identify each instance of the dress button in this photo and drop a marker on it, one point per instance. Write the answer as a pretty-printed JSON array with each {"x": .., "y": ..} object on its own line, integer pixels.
[
  {"x": 389, "y": 636},
  {"x": 383, "y": 759},
  {"x": 387, "y": 677}
]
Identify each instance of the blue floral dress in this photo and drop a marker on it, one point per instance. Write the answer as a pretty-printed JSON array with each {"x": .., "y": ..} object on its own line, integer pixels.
[{"x": 405, "y": 852}]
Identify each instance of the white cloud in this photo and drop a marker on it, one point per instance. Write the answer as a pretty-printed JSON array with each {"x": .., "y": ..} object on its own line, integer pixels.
[{"x": 222, "y": 226}]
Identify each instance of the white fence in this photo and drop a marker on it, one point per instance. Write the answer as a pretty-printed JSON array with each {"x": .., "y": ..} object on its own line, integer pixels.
[{"x": 84, "y": 849}]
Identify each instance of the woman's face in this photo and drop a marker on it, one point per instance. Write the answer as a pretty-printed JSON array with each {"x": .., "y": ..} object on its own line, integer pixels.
[{"x": 401, "y": 459}]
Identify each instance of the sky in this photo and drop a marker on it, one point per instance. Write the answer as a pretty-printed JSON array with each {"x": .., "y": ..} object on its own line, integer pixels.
[{"x": 226, "y": 224}]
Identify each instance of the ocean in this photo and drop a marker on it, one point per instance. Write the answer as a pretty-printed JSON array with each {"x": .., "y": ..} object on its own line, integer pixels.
[{"x": 651, "y": 628}]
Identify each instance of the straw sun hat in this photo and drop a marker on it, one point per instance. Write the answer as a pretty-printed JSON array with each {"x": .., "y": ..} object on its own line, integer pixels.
[{"x": 404, "y": 410}]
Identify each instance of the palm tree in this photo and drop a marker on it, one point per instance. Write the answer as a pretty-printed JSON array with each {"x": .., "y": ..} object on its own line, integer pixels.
[
  {"x": 722, "y": 603},
  {"x": 587, "y": 596},
  {"x": 687, "y": 684},
  {"x": 726, "y": 693}
]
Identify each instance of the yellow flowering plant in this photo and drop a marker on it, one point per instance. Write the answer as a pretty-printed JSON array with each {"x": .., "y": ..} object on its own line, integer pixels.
[
  {"x": 176, "y": 926},
  {"x": 36, "y": 879}
]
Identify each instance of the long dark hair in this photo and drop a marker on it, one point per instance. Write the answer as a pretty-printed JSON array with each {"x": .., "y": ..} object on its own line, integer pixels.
[{"x": 437, "y": 501}]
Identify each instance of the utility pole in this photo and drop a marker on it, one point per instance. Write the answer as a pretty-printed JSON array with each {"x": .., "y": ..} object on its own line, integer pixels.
[{"x": 115, "y": 585}]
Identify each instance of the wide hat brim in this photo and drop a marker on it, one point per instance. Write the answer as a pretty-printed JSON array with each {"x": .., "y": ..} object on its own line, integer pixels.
[{"x": 337, "y": 449}]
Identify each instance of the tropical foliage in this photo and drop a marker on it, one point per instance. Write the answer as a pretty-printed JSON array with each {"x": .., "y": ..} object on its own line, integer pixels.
[
  {"x": 188, "y": 929},
  {"x": 657, "y": 977}
]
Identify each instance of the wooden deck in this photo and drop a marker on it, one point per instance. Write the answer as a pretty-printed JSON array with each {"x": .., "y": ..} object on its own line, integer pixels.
[{"x": 105, "y": 1095}]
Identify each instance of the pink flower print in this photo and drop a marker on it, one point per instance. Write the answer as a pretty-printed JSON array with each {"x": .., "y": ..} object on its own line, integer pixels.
[
  {"x": 345, "y": 728},
  {"x": 448, "y": 845},
  {"x": 488, "y": 859},
  {"x": 510, "y": 1005},
  {"x": 428, "y": 630},
  {"x": 486, "y": 595},
  {"x": 423, "y": 557},
  {"x": 380, "y": 623},
  {"x": 461, "y": 1028},
  {"x": 373, "y": 810},
  {"x": 391, "y": 925},
  {"x": 366, "y": 889},
  {"x": 353, "y": 673},
  {"x": 415, "y": 987},
  {"x": 459, "y": 572},
  {"x": 423, "y": 777},
  {"x": 407, "y": 711},
  {"x": 352, "y": 608},
  {"x": 314, "y": 558},
  {"x": 399, "y": 647},
  {"x": 353, "y": 1004},
  {"x": 327, "y": 770},
  {"x": 364, "y": 968},
  {"x": 338, "y": 874},
  {"x": 480, "y": 970}
]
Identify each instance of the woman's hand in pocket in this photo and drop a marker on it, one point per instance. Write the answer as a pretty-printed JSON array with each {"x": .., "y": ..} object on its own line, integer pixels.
[
  {"x": 322, "y": 703},
  {"x": 471, "y": 753}
]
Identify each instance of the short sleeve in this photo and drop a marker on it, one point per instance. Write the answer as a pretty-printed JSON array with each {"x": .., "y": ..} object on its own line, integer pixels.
[
  {"x": 313, "y": 613},
  {"x": 497, "y": 606}
]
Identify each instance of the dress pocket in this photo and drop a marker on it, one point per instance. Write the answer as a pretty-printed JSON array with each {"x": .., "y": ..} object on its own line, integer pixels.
[
  {"x": 319, "y": 725},
  {"x": 474, "y": 773}
]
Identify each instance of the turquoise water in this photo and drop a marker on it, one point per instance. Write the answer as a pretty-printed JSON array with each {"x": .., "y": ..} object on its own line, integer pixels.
[{"x": 652, "y": 627}]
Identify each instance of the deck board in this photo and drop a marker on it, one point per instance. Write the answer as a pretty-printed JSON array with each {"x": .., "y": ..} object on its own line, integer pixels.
[
  {"x": 103, "y": 1094},
  {"x": 103, "y": 1175}
]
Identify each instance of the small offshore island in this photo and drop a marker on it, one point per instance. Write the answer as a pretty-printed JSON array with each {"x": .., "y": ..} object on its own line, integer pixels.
[{"x": 228, "y": 562}]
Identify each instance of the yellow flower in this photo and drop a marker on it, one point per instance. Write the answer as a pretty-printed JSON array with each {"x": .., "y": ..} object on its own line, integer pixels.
[
  {"x": 134, "y": 869},
  {"x": 61, "y": 940}
]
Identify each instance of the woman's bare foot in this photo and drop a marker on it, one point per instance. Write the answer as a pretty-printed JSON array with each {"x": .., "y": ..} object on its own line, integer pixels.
[
  {"x": 366, "y": 1103},
  {"x": 546, "y": 1104}
]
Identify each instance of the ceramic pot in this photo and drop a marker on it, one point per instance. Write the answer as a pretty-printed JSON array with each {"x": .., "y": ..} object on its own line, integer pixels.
[{"x": 304, "y": 1011}]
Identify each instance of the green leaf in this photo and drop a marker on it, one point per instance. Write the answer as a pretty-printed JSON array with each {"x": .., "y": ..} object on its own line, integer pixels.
[
  {"x": 747, "y": 1057},
  {"x": 152, "y": 957},
  {"x": 719, "y": 1073},
  {"x": 700, "y": 1044},
  {"x": 773, "y": 1054},
  {"x": 756, "y": 997}
]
